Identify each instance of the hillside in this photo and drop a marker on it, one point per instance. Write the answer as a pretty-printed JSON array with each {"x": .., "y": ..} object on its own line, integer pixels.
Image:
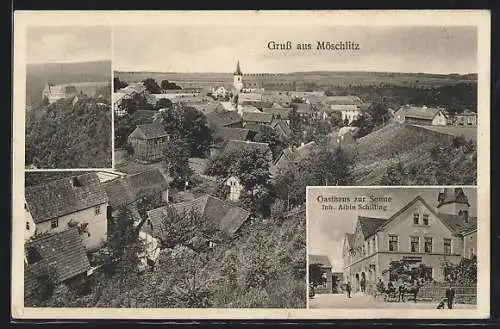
[
  {"x": 63, "y": 135},
  {"x": 409, "y": 145},
  {"x": 86, "y": 76}
]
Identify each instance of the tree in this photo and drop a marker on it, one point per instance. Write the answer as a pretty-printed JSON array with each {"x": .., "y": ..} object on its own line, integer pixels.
[
  {"x": 268, "y": 135},
  {"x": 295, "y": 126},
  {"x": 364, "y": 123},
  {"x": 118, "y": 84},
  {"x": 379, "y": 113},
  {"x": 408, "y": 272},
  {"x": 251, "y": 167},
  {"x": 151, "y": 86},
  {"x": 328, "y": 93},
  {"x": 167, "y": 85},
  {"x": 46, "y": 281},
  {"x": 190, "y": 125},
  {"x": 464, "y": 273},
  {"x": 316, "y": 275},
  {"x": 122, "y": 232},
  {"x": 176, "y": 159},
  {"x": 134, "y": 103},
  {"x": 164, "y": 103}
]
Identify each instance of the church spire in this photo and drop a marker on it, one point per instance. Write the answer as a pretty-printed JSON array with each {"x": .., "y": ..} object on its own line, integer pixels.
[{"x": 238, "y": 69}]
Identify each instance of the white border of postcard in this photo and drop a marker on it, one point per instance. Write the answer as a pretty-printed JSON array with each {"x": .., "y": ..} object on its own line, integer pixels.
[{"x": 23, "y": 19}]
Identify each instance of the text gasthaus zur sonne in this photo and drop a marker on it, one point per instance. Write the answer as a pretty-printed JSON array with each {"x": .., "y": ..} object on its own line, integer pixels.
[
  {"x": 362, "y": 202},
  {"x": 318, "y": 45}
]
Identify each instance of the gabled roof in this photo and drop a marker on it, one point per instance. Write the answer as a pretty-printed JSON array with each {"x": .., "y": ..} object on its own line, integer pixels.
[
  {"x": 343, "y": 100},
  {"x": 253, "y": 127},
  {"x": 320, "y": 259},
  {"x": 425, "y": 113},
  {"x": 229, "y": 217},
  {"x": 233, "y": 145},
  {"x": 149, "y": 131},
  {"x": 126, "y": 190},
  {"x": 278, "y": 111},
  {"x": 259, "y": 117},
  {"x": 225, "y": 133},
  {"x": 369, "y": 225},
  {"x": 340, "y": 107},
  {"x": 281, "y": 124},
  {"x": 222, "y": 119},
  {"x": 64, "y": 196},
  {"x": 292, "y": 154},
  {"x": 63, "y": 250}
]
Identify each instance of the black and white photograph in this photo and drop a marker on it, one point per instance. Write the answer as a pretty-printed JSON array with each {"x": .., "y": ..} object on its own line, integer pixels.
[
  {"x": 68, "y": 97},
  {"x": 404, "y": 248},
  {"x": 183, "y": 154}
]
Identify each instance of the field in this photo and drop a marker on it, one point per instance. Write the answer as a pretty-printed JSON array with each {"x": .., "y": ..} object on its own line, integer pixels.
[{"x": 322, "y": 79}]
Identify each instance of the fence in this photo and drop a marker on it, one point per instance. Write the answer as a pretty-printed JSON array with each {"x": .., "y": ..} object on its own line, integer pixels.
[{"x": 435, "y": 291}]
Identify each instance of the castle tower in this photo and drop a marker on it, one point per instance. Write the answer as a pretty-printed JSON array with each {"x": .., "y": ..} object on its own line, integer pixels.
[
  {"x": 238, "y": 78},
  {"x": 452, "y": 201}
]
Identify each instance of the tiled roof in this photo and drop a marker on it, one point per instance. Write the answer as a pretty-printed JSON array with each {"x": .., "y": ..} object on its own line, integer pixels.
[
  {"x": 339, "y": 107},
  {"x": 125, "y": 190},
  {"x": 223, "y": 118},
  {"x": 281, "y": 124},
  {"x": 343, "y": 100},
  {"x": 320, "y": 259},
  {"x": 291, "y": 154},
  {"x": 260, "y": 117},
  {"x": 426, "y": 113},
  {"x": 457, "y": 224},
  {"x": 64, "y": 196},
  {"x": 227, "y": 216},
  {"x": 369, "y": 225},
  {"x": 63, "y": 250},
  {"x": 232, "y": 133},
  {"x": 253, "y": 127},
  {"x": 149, "y": 131},
  {"x": 278, "y": 111}
]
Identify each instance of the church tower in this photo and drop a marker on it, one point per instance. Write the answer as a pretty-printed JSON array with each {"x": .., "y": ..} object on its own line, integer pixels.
[
  {"x": 238, "y": 78},
  {"x": 453, "y": 201}
]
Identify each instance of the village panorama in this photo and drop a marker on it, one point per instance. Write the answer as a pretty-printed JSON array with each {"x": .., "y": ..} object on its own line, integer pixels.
[{"x": 205, "y": 206}]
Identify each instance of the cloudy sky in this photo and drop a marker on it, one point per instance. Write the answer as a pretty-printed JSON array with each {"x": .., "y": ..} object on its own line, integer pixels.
[
  {"x": 65, "y": 44},
  {"x": 216, "y": 49},
  {"x": 326, "y": 229}
]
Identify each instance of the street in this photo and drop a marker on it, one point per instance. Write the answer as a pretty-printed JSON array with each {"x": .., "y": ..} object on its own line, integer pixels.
[{"x": 361, "y": 300}]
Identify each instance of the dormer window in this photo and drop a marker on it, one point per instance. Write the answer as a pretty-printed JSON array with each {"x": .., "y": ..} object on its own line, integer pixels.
[{"x": 416, "y": 218}]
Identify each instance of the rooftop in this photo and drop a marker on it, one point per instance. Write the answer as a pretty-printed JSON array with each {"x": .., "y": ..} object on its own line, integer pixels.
[{"x": 149, "y": 131}]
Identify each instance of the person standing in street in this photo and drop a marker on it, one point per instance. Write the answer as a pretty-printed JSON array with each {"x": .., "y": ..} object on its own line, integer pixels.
[
  {"x": 348, "y": 289},
  {"x": 450, "y": 295}
]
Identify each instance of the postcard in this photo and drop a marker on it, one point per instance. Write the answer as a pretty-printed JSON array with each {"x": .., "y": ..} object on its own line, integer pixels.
[{"x": 189, "y": 164}]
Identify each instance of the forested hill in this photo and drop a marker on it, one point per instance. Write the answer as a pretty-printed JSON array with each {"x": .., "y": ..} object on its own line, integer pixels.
[{"x": 66, "y": 135}]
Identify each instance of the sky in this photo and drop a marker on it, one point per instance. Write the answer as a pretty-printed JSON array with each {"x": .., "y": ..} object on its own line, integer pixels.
[
  {"x": 326, "y": 229},
  {"x": 65, "y": 44},
  {"x": 216, "y": 49}
]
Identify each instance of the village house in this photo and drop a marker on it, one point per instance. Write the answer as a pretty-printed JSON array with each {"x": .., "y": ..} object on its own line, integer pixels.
[
  {"x": 324, "y": 263},
  {"x": 292, "y": 156},
  {"x": 416, "y": 234},
  {"x": 227, "y": 217},
  {"x": 53, "y": 92},
  {"x": 467, "y": 118},
  {"x": 62, "y": 252},
  {"x": 148, "y": 142},
  {"x": 126, "y": 93},
  {"x": 78, "y": 201},
  {"x": 421, "y": 115},
  {"x": 304, "y": 110},
  {"x": 220, "y": 92},
  {"x": 229, "y": 119},
  {"x": 281, "y": 127},
  {"x": 222, "y": 135},
  {"x": 349, "y": 112}
]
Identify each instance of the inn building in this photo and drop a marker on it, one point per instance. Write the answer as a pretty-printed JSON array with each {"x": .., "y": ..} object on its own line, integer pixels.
[{"x": 417, "y": 234}]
